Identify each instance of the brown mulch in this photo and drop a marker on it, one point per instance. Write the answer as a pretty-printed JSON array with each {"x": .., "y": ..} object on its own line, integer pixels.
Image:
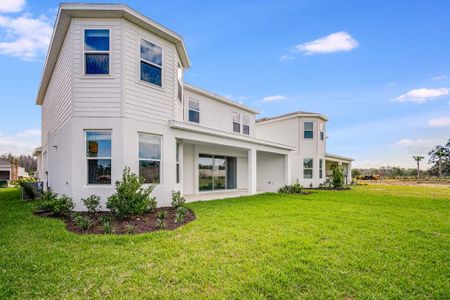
[{"x": 141, "y": 223}]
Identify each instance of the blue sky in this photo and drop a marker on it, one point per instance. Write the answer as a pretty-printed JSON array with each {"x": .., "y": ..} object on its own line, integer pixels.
[{"x": 380, "y": 70}]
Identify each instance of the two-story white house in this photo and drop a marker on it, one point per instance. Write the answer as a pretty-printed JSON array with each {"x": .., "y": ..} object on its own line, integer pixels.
[{"x": 112, "y": 95}]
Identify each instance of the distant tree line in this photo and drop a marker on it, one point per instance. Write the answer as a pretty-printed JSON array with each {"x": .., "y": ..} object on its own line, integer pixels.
[
  {"x": 440, "y": 160},
  {"x": 28, "y": 162}
]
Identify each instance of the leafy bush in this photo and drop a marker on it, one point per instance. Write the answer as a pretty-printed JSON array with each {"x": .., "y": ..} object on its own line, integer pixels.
[
  {"x": 130, "y": 197},
  {"x": 82, "y": 222},
  {"x": 130, "y": 229},
  {"x": 177, "y": 199},
  {"x": 161, "y": 220},
  {"x": 57, "y": 205},
  {"x": 180, "y": 213},
  {"x": 92, "y": 203},
  {"x": 337, "y": 176},
  {"x": 295, "y": 188},
  {"x": 106, "y": 224}
]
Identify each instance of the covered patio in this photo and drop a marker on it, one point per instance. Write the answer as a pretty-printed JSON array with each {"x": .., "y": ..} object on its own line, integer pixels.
[{"x": 345, "y": 162}]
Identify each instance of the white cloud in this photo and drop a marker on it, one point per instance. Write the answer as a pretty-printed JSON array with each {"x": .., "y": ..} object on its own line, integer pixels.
[
  {"x": 24, "y": 36},
  {"x": 422, "y": 95},
  {"x": 408, "y": 143},
  {"x": 335, "y": 42},
  {"x": 274, "y": 98},
  {"x": 11, "y": 6},
  {"x": 439, "y": 122},
  {"x": 286, "y": 57},
  {"x": 20, "y": 143},
  {"x": 441, "y": 77}
]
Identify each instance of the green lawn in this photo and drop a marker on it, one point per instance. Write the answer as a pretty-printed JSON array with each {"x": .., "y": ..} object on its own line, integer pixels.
[{"x": 371, "y": 242}]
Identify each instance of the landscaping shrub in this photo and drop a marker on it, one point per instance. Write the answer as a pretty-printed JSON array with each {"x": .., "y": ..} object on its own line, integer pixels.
[
  {"x": 295, "y": 188},
  {"x": 161, "y": 220},
  {"x": 82, "y": 222},
  {"x": 130, "y": 197},
  {"x": 106, "y": 224},
  {"x": 337, "y": 176},
  {"x": 57, "y": 205},
  {"x": 130, "y": 229},
  {"x": 177, "y": 199},
  {"x": 92, "y": 204},
  {"x": 63, "y": 206},
  {"x": 180, "y": 213}
]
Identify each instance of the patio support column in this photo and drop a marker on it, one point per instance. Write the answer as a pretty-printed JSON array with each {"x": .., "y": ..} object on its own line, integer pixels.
[
  {"x": 252, "y": 171},
  {"x": 287, "y": 170}
]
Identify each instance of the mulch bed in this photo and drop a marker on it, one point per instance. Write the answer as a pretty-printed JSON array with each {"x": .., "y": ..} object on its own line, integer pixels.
[{"x": 141, "y": 223}]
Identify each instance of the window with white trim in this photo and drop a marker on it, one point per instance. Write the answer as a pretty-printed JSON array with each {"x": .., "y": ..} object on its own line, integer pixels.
[
  {"x": 307, "y": 168},
  {"x": 151, "y": 63},
  {"x": 96, "y": 51},
  {"x": 320, "y": 168},
  {"x": 194, "y": 110},
  {"x": 246, "y": 124},
  {"x": 150, "y": 157},
  {"x": 178, "y": 162},
  {"x": 98, "y": 155},
  {"x": 308, "y": 130},
  {"x": 322, "y": 131},
  {"x": 236, "y": 122},
  {"x": 180, "y": 86}
]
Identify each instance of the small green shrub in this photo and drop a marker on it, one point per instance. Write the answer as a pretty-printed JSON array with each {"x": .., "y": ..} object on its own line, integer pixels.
[
  {"x": 177, "y": 199},
  {"x": 58, "y": 205},
  {"x": 130, "y": 229},
  {"x": 337, "y": 176},
  {"x": 82, "y": 222},
  {"x": 295, "y": 188},
  {"x": 106, "y": 224},
  {"x": 130, "y": 197},
  {"x": 92, "y": 204},
  {"x": 180, "y": 213},
  {"x": 161, "y": 220},
  {"x": 63, "y": 206},
  {"x": 46, "y": 201}
]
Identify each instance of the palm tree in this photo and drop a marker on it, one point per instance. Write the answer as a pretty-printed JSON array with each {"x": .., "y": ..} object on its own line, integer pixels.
[{"x": 418, "y": 159}]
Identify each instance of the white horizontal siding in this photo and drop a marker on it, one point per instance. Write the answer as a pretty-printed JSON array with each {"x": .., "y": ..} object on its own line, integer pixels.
[
  {"x": 57, "y": 104},
  {"x": 215, "y": 114},
  {"x": 97, "y": 96},
  {"x": 143, "y": 101}
]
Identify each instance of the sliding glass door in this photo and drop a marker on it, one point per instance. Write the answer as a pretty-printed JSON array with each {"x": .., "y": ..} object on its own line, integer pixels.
[{"x": 216, "y": 172}]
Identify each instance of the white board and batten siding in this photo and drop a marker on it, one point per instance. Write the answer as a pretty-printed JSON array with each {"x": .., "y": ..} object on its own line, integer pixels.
[
  {"x": 97, "y": 95},
  {"x": 215, "y": 114}
]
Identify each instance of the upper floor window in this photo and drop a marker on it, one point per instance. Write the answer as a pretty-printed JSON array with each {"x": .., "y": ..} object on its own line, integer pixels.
[
  {"x": 150, "y": 157},
  {"x": 236, "y": 122},
  {"x": 308, "y": 131},
  {"x": 151, "y": 63},
  {"x": 96, "y": 51},
  {"x": 308, "y": 168},
  {"x": 180, "y": 87},
  {"x": 98, "y": 155},
  {"x": 194, "y": 111},
  {"x": 322, "y": 131},
  {"x": 246, "y": 125}
]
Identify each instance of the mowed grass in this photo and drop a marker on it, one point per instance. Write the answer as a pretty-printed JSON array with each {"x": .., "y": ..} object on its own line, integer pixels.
[{"x": 370, "y": 242}]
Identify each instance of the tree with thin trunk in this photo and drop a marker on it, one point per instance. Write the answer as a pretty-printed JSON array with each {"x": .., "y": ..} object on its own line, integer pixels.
[{"x": 418, "y": 159}]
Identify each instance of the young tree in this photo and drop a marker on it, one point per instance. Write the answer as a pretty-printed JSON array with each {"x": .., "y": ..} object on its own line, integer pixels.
[{"x": 418, "y": 158}]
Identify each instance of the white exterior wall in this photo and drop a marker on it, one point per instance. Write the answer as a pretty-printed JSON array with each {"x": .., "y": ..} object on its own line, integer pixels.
[
  {"x": 270, "y": 171},
  {"x": 215, "y": 114}
]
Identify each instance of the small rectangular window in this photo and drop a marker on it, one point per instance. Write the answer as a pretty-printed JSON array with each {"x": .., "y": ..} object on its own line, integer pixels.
[
  {"x": 151, "y": 63},
  {"x": 308, "y": 168},
  {"x": 96, "y": 51},
  {"x": 308, "y": 132},
  {"x": 236, "y": 122},
  {"x": 194, "y": 111},
  {"x": 320, "y": 168},
  {"x": 178, "y": 162},
  {"x": 150, "y": 157},
  {"x": 322, "y": 132},
  {"x": 98, "y": 155},
  {"x": 246, "y": 125},
  {"x": 180, "y": 86}
]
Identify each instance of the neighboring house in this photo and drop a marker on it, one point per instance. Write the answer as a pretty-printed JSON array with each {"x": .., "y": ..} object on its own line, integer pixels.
[
  {"x": 113, "y": 95},
  {"x": 11, "y": 172}
]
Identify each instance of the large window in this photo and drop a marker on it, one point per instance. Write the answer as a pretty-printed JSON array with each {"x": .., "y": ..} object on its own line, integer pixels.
[
  {"x": 236, "y": 122},
  {"x": 216, "y": 172},
  {"x": 308, "y": 168},
  {"x": 98, "y": 154},
  {"x": 320, "y": 168},
  {"x": 308, "y": 130},
  {"x": 322, "y": 131},
  {"x": 151, "y": 63},
  {"x": 150, "y": 157},
  {"x": 194, "y": 111},
  {"x": 180, "y": 86},
  {"x": 96, "y": 51},
  {"x": 246, "y": 125}
]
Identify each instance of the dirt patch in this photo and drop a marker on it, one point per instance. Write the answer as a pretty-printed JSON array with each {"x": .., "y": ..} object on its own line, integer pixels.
[
  {"x": 139, "y": 223},
  {"x": 443, "y": 183}
]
